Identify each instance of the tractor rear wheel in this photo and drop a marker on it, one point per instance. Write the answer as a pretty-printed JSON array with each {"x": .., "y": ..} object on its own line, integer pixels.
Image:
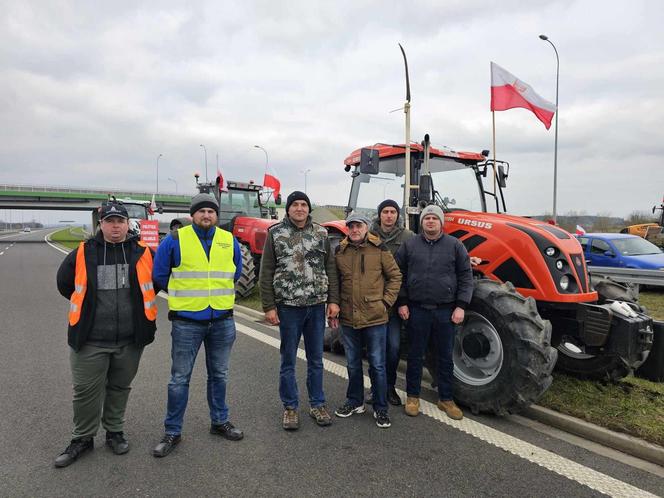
[
  {"x": 502, "y": 355},
  {"x": 572, "y": 358},
  {"x": 247, "y": 281}
]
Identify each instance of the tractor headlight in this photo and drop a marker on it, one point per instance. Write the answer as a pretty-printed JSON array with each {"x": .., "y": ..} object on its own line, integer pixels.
[
  {"x": 564, "y": 282},
  {"x": 550, "y": 251},
  {"x": 560, "y": 264}
]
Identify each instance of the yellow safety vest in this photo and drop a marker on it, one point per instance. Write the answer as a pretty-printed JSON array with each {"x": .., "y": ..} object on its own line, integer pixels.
[{"x": 200, "y": 282}]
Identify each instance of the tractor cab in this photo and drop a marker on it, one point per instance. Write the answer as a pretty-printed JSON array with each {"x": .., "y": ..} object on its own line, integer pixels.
[{"x": 453, "y": 180}]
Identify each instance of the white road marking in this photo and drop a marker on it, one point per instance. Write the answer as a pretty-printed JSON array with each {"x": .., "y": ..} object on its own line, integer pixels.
[
  {"x": 47, "y": 239},
  {"x": 1, "y": 253},
  {"x": 544, "y": 458}
]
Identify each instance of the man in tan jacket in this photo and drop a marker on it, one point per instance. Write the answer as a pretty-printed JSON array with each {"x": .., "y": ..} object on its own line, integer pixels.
[{"x": 369, "y": 279}]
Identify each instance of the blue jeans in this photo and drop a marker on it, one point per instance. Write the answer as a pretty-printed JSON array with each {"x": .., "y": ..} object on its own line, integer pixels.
[
  {"x": 295, "y": 322},
  {"x": 422, "y": 324},
  {"x": 374, "y": 338},
  {"x": 218, "y": 337},
  {"x": 392, "y": 349}
]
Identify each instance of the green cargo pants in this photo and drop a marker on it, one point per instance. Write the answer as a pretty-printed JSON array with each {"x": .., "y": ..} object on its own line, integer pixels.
[{"x": 102, "y": 380}]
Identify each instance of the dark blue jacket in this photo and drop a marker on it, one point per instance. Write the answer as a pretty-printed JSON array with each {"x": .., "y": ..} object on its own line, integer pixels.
[
  {"x": 168, "y": 257},
  {"x": 435, "y": 272}
]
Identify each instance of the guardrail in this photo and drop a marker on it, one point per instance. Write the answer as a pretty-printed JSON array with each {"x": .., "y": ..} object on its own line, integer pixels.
[{"x": 630, "y": 275}]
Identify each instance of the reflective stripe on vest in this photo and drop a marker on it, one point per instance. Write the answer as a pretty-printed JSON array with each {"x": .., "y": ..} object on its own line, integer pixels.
[
  {"x": 80, "y": 286},
  {"x": 143, "y": 272},
  {"x": 199, "y": 282}
]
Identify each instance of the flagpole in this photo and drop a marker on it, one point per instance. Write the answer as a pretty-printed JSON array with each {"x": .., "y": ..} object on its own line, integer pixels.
[{"x": 493, "y": 118}]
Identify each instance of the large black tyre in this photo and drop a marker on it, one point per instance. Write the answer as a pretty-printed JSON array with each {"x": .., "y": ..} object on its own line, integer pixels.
[
  {"x": 247, "y": 280},
  {"x": 571, "y": 358},
  {"x": 502, "y": 356}
]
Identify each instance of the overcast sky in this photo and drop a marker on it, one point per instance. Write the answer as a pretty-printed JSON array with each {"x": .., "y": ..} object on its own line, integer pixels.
[{"x": 92, "y": 92}]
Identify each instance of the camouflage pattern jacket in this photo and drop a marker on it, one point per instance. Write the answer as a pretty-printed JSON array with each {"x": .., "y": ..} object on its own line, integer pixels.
[{"x": 297, "y": 268}]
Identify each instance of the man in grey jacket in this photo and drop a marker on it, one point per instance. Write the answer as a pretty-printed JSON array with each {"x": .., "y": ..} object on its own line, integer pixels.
[
  {"x": 393, "y": 234},
  {"x": 437, "y": 287}
]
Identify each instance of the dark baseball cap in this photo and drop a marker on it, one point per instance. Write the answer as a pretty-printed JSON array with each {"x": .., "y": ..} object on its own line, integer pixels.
[{"x": 113, "y": 209}]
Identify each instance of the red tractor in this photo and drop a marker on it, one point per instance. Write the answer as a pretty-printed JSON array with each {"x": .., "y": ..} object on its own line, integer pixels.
[
  {"x": 533, "y": 301},
  {"x": 244, "y": 213}
]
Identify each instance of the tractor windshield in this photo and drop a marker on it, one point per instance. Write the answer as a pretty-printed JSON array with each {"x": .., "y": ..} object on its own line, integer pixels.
[
  {"x": 455, "y": 183},
  {"x": 234, "y": 203},
  {"x": 136, "y": 211}
]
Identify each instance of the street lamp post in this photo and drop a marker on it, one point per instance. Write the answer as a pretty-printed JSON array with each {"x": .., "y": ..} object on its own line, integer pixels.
[
  {"x": 555, "y": 146},
  {"x": 205, "y": 151},
  {"x": 265, "y": 152},
  {"x": 158, "y": 157},
  {"x": 176, "y": 184},
  {"x": 306, "y": 171}
]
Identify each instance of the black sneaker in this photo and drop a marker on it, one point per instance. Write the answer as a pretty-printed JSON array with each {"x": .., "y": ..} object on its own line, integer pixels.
[
  {"x": 166, "y": 445},
  {"x": 75, "y": 449},
  {"x": 117, "y": 442},
  {"x": 346, "y": 410},
  {"x": 392, "y": 397},
  {"x": 382, "y": 419},
  {"x": 227, "y": 430}
]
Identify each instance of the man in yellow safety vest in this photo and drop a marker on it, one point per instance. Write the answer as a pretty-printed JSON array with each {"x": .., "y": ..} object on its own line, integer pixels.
[{"x": 199, "y": 265}]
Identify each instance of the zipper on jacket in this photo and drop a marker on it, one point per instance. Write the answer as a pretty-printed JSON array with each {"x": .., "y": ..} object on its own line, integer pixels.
[
  {"x": 117, "y": 296},
  {"x": 362, "y": 264}
]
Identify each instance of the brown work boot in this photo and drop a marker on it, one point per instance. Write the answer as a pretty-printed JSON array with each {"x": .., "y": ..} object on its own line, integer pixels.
[
  {"x": 412, "y": 406},
  {"x": 451, "y": 409},
  {"x": 321, "y": 415},
  {"x": 291, "y": 420}
]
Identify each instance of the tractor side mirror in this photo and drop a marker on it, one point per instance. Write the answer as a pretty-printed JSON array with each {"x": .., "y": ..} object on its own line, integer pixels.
[
  {"x": 502, "y": 176},
  {"x": 369, "y": 161},
  {"x": 160, "y": 209},
  {"x": 277, "y": 200}
]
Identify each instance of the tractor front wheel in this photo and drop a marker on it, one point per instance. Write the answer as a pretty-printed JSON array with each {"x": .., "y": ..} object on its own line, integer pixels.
[{"x": 502, "y": 355}]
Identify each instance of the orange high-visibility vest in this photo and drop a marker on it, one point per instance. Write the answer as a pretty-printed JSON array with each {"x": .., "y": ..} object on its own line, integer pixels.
[{"x": 143, "y": 272}]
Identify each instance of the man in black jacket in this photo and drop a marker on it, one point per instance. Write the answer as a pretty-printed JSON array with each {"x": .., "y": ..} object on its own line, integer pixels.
[
  {"x": 437, "y": 287},
  {"x": 112, "y": 316}
]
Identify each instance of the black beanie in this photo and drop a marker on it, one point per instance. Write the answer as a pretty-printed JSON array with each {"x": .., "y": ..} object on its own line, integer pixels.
[
  {"x": 388, "y": 203},
  {"x": 200, "y": 201},
  {"x": 297, "y": 196}
]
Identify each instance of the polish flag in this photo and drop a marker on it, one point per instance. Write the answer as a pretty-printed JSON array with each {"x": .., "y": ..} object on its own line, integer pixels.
[
  {"x": 153, "y": 206},
  {"x": 580, "y": 230},
  {"x": 508, "y": 92},
  {"x": 221, "y": 183},
  {"x": 271, "y": 181}
]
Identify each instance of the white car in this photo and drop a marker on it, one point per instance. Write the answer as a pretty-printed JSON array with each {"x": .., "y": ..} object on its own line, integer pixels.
[{"x": 27, "y": 229}]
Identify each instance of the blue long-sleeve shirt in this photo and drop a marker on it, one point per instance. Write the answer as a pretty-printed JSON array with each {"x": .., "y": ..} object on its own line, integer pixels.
[{"x": 168, "y": 257}]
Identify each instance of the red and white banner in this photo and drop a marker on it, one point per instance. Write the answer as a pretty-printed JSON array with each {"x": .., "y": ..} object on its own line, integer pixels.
[
  {"x": 508, "y": 92},
  {"x": 580, "y": 230},
  {"x": 270, "y": 181},
  {"x": 221, "y": 183},
  {"x": 150, "y": 232}
]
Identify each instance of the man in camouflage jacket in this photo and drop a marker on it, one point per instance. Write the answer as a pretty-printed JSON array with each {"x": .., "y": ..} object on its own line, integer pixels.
[{"x": 298, "y": 276}]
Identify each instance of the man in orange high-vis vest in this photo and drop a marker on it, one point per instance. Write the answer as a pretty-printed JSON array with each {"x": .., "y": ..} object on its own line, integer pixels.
[{"x": 112, "y": 317}]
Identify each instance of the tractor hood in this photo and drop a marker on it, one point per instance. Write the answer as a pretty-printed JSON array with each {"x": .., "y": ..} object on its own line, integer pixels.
[{"x": 532, "y": 254}]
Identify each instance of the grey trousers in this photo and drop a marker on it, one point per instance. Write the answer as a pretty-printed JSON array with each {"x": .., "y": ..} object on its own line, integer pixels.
[{"x": 102, "y": 380}]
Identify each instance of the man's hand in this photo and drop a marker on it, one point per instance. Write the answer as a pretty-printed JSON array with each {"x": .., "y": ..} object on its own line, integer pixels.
[
  {"x": 271, "y": 317},
  {"x": 474, "y": 260},
  {"x": 458, "y": 315},
  {"x": 404, "y": 312},
  {"x": 333, "y": 315}
]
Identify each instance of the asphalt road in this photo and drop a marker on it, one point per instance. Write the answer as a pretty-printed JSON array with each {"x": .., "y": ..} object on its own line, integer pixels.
[{"x": 425, "y": 456}]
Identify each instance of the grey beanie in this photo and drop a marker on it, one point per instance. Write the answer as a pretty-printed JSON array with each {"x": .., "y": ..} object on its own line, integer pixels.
[
  {"x": 200, "y": 201},
  {"x": 434, "y": 210}
]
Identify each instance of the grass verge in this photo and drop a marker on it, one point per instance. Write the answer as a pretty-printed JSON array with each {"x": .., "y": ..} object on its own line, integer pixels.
[
  {"x": 69, "y": 237},
  {"x": 633, "y": 406}
]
